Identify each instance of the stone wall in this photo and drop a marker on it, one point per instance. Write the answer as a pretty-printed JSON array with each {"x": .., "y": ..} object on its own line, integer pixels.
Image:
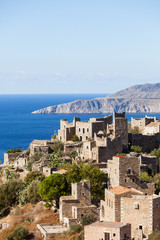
[
  {"x": 81, "y": 191},
  {"x": 9, "y": 158},
  {"x": 149, "y": 160},
  {"x": 110, "y": 209},
  {"x": 147, "y": 142},
  {"x": 98, "y": 232},
  {"x": 141, "y": 122},
  {"x": 113, "y": 147},
  {"x": 120, "y": 128},
  {"x": 156, "y": 213},
  {"x": 139, "y": 212}
]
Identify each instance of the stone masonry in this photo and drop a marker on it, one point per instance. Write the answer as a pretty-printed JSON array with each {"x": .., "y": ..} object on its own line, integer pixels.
[{"x": 73, "y": 207}]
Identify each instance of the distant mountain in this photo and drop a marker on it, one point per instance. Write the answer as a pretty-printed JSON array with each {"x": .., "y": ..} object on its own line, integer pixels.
[
  {"x": 139, "y": 98},
  {"x": 139, "y": 91}
]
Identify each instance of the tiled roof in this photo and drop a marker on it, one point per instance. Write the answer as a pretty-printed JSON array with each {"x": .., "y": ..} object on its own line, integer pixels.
[
  {"x": 62, "y": 171},
  {"x": 120, "y": 190}
]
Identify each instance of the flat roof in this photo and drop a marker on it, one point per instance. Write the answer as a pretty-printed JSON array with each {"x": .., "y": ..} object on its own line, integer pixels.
[{"x": 108, "y": 224}]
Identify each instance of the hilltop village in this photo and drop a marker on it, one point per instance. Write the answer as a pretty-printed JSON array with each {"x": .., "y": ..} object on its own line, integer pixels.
[{"x": 126, "y": 154}]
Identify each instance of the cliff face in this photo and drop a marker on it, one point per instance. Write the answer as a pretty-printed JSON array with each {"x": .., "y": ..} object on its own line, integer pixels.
[{"x": 139, "y": 98}]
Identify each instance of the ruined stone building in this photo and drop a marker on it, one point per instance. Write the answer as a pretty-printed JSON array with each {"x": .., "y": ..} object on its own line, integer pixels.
[
  {"x": 43, "y": 146},
  {"x": 72, "y": 208},
  {"x": 132, "y": 206},
  {"x": 17, "y": 159},
  {"x": 100, "y": 138},
  {"x": 141, "y": 123},
  {"x": 149, "y": 133},
  {"x": 125, "y": 171}
]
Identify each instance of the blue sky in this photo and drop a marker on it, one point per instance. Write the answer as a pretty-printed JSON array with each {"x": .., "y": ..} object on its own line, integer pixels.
[{"x": 86, "y": 46}]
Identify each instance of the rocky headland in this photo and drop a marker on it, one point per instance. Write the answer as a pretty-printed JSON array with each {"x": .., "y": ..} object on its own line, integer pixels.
[{"x": 136, "y": 99}]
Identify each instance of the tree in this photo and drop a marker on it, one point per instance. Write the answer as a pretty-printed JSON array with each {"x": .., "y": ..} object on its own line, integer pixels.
[
  {"x": 20, "y": 233},
  {"x": 53, "y": 187},
  {"x": 136, "y": 149},
  {"x": 32, "y": 192},
  {"x": 34, "y": 175},
  {"x": 98, "y": 179}
]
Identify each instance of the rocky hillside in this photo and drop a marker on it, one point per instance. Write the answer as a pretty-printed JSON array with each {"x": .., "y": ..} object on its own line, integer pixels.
[{"x": 140, "y": 98}]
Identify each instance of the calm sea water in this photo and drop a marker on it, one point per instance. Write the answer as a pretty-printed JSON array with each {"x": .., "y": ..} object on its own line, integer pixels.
[{"x": 18, "y": 127}]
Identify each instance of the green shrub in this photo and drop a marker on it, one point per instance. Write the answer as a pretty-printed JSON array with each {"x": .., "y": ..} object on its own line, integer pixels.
[
  {"x": 87, "y": 219},
  {"x": 155, "y": 235},
  {"x": 73, "y": 154},
  {"x": 156, "y": 152},
  {"x": 12, "y": 150},
  {"x": 20, "y": 233},
  {"x": 48, "y": 205},
  {"x": 57, "y": 147},
  {"x": 79, "y": 237},
  {"x": 9, "y": 194},
  {"x": 136, "y": 149},
  {"x": 34, "y": 175},
  {"x": 23, "y": 197},
  {"x": 4, "y": 212},
  {"x": 30, "y": 220},
  {"x": 75, "y": 138},
  {"x": 32, "y": 192},
  {"x": 75, "y": 228},
  {"x": 145, "y": 177},
  {"x": 135, "y": 130}
]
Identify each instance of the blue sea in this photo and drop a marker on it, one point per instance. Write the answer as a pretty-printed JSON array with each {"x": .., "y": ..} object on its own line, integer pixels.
[{"x": 18, "y": 127}]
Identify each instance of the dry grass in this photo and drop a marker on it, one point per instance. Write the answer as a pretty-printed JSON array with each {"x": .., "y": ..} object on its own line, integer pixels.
[{"x": 37, "y": 212}]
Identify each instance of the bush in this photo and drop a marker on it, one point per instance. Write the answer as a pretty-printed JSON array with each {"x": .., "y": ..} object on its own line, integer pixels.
[
  {"x": 87, "y": 219},
  {"x": 155, "y": 235},
  {"x": 23, "y": 197},
  {"x": 135, "y": 130},
  {"x": 34, "y": 175},
  {"x": 20, "y": 233},
  {"x": 156, "y": 152},
  {"x": 75, "y": 228},
  {"x": 48, "y": 205},
  {"x": 73, "y": 154},
  {"x": 9, "y": 194},
  {"x": 79, "y": 237},
  {"x": 12, "y": 150},
  {"x": 145, "y": 177},
  {"x": 36, "y": 157},
  {"x": 32, "y": 192},
  {"x": 75, "y": 138},
  {"x": 57, "y": 147},
  {"x": 136, "y": 149},
  {"x": 30, "y": 220}
]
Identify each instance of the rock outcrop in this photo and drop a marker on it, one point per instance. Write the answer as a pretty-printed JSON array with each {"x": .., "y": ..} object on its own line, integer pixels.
[{"x": 140, "y": 98}]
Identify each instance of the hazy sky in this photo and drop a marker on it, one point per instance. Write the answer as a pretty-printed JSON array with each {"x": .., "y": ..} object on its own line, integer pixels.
[{"x": 78, "y": 46}]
